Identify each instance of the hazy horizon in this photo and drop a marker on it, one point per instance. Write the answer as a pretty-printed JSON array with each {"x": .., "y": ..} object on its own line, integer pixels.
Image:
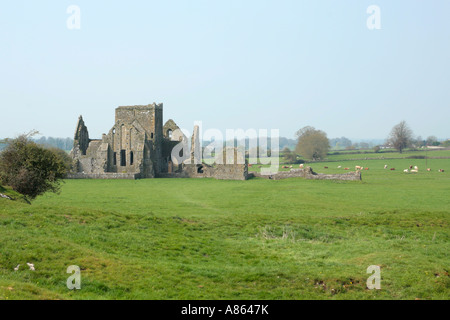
[{"x": 254, "y": 64}]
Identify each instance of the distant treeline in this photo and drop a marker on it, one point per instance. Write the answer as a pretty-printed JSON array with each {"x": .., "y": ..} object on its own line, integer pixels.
[
  {"x": 283, "y": 143},
  {"x": 67, "y": 143},
  {"x": 61, "y": 143}
]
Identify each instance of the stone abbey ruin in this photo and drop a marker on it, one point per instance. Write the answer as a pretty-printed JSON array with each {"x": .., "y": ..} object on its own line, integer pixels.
[{"x": 139, "y": 146}]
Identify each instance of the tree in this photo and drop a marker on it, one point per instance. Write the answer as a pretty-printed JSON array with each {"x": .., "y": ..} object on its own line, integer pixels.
[
  {"x": 419, "y": 142},
  {"x": 364, "y": 145},
  {"x": 431, "y": 140},
  {"x": 289, "y": 156},
  {"x": 312, "y": 143},
  {"x": 340, "y": 143},
  {"x": 31, "y": 169},
  {"x": 401, "y": 136}
]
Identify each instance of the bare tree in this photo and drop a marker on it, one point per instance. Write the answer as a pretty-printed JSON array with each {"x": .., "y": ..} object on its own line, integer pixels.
[
  {"x": 312, "y": 143},
  {"x": 401, "y": 136},
  {"x": 431, "y": 140}
]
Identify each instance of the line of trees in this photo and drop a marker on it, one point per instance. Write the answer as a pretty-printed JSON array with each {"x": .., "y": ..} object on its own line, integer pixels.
[
  {"x": 51, "y": 142},
  {"x": 61, "y": 143},
  {"x": 313, "y": 144},
  {"x": 401, "y": 137}
]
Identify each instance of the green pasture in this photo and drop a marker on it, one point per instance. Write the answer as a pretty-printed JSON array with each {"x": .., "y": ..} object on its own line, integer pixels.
[{"x": 255, "y": 239}]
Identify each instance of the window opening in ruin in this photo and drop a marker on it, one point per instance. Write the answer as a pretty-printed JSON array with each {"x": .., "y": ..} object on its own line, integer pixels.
[
  {"x": 169, "y": 133},
  {"x": 200, "y": 169},
  {"x": 123, "y": 160},
  {"x": 131, "y": 157},
  {"x": 151, "y": 135},
  {"x": 115, "y": 159}
]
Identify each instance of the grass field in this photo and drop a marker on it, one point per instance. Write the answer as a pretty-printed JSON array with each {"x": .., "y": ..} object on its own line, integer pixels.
[{"x": 255, "y": 239}]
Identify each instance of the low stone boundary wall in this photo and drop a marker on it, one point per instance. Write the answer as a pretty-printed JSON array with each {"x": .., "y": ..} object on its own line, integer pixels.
[
  {"x": 308, "y": 173},
  {"x": 220, "y": 172},
  {"x": 109, "y": 175}
]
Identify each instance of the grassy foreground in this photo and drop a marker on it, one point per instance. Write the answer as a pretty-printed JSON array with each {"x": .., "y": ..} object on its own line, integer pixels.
[{"x": 256, "y": 239}]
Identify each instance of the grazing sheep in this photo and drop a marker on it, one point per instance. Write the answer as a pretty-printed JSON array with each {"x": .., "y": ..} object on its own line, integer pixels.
[
  {"x": 325, "y": 167},
  {"x": 414, "y": 170},
  {"x": 366, "y": 168},
  {"x": 416, "y": 167},
  {"x": 301, "y": 166},
  {"x": 428, "y": 169},
  {"x": 346, "y": 168},
  {"x": 406, "y": 170},
  {"x": 392, "y": 169},
  {"x": 441, "y": 170},
  {"x": 339, "y": 167},
  {"x": 358, "y": 168},
  {"x": 385, "y": 166},
  {"x": 290, "y": 167}
]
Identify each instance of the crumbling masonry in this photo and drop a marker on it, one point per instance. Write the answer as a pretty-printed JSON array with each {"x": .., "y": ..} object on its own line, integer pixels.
[{"x": 140, "y": 146}]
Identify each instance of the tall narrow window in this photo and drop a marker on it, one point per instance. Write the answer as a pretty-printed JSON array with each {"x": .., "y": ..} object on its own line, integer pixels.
[
  {"x": 115, "y": 159},
  {"x": 123, "y": 158},
  {"x": 169, "y": 133},
  {"x": 151, "y": 135},
  {"x": 131, "y": 158}
]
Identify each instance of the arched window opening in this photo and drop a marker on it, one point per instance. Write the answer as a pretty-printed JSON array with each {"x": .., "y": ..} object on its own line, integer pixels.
[{"x": 123, "y": 158}]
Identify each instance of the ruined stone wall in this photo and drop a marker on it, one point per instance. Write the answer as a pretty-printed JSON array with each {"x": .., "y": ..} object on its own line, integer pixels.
[
  {"x": 172, "y": 132},
  {"x": 220, "y": 172},
  {"x": 144, "y": 114},
  {"x": 158, "y": 138},
  {"x": 108, "y": 175},
  {"x": 138, "y": 145},
  {"x": 81, "y": 137},
  {"x": 126, "y": 149},
  {"x": 308, "y": 173}
]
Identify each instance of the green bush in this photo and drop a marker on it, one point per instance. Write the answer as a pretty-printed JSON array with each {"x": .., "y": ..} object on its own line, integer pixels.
[{"x": 31, "y": 169}]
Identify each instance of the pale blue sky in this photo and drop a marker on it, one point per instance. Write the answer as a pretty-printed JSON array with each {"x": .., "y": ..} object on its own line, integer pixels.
[{"x": 231, "y": 64}]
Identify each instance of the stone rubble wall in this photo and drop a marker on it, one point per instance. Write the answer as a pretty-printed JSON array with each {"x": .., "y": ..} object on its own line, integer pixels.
[
  {"x": 220, "y": 172},
  {"x": 108, "y": 175},
  {"x": 308, "y": 173}
]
